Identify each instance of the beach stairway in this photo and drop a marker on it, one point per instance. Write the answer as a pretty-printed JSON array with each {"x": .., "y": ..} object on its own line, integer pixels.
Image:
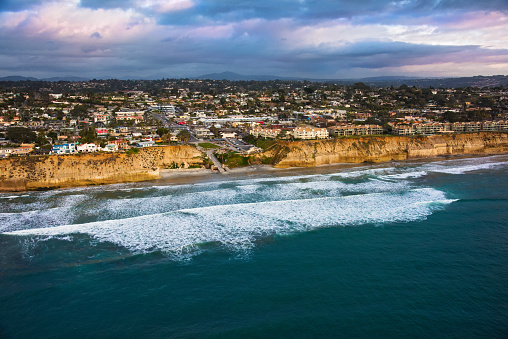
[{"x": 216, "y": 162}]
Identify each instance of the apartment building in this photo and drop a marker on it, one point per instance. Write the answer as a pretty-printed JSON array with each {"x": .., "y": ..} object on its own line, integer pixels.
[
  {"x": 456, "y": 127},
  {"x": 349, "y": 130},
  {"x": 309, "y": 133}
]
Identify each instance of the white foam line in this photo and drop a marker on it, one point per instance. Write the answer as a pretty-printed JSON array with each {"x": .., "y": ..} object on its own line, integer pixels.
[
  {"x": 466, "y": 168},
  {"x": 237, "y": 226},
  {"x": 408, "y": 175},
  {"x": 78, "y": 228},
  {"x": 14, "y": 196}
]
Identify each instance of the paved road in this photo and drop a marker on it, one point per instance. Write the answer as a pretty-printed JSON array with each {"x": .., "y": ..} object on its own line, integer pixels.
[{"x": 160, "y": 117}]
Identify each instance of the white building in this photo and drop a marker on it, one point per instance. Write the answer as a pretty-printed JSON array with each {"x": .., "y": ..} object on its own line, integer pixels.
[
  {"x": 110, "y": 148},
  {"x": 349, "y": 129},
  {"x": 164, "y": 108},
  {"x": 130, "y": 114},
  {"x": 145, "y": 144},
  {"x": 226, "y": 135},
  {"x": 309, "y": 133},
  {"x": 87, "y": 148},
  {"x": 271, "y": 133}
]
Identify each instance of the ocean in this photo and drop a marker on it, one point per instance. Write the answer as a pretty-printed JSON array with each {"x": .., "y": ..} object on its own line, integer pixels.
[{"x": 413, "y": 249}]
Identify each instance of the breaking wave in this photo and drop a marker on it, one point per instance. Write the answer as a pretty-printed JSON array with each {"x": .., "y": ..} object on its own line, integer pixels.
[
  {"x": 234, "y": 214},
  {"x": 238, "y": 226}
]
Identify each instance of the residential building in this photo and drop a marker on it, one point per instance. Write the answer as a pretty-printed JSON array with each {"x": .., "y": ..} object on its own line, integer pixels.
[
  {"x": 145, "y": 144},
  {"x": 349, "y": 130},
  {"x": 64, "y": 148},
  {"x": 309, "y": 133},
  {"x": 87, "y": 148}
]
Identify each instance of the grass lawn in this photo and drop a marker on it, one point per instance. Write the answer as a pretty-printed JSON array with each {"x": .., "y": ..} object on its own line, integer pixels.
[{"x": 208, "y": 145}]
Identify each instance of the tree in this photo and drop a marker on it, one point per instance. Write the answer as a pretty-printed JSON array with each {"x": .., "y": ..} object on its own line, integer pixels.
[
  {"x": 88, "y": 134},
  {"x": 215, "y": 131},
  {"x": 183, "y": 135},
  {"x": 283, "y": 134},
  {"x": 79, "y": 111},
  {"x": 41, "y": 138},
  {"x": 21, "y": 134},
  {"x": 452, "y": 116},
  {"x": 161, "y": 131},
  {"x": 52, "y": 135},
  {"x": 166, "y": 138},
  {"x": 60, "y": 115}
]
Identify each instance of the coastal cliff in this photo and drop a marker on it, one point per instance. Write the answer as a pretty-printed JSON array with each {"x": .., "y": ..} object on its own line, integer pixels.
[
  {"x": 43, "y": 172},
  {"x": 378, "y": 149},
  {"x": 46, "y": 172}
]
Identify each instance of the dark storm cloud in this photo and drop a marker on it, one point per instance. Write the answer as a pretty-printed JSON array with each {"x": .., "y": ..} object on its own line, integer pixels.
[
  {"x": 311, "y": 10},
  {"x": 376, "y": 55},
  {"x": 279, "y": 37}
]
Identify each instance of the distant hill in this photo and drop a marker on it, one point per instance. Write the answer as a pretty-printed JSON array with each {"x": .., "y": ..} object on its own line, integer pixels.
[
  {"x": 66, "y": 78},
  {"x": 379, "y": 81},
  {"x": 390, "y": 78},
  {"x": 476, "y": 81},
  {"x": 18, "y": 78}
]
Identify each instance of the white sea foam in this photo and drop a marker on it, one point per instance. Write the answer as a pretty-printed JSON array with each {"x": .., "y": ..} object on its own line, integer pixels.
[
  {"x": 98, "y": 205},
  {"x": 465, "y": 168},
  {"x": 177, "y": 218},
  {"x": 407, "y": 175},
  {"x": 13, "y": 196},
  {"x": 40, "y": 213},
  {"x": 237, "y": 226}
]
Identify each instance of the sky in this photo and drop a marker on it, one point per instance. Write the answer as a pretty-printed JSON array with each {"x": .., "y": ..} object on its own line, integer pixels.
[{"x": 326, "y": 39}]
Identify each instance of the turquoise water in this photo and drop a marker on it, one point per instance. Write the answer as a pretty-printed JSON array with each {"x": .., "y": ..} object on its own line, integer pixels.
[{"x": 409, "y": 249}]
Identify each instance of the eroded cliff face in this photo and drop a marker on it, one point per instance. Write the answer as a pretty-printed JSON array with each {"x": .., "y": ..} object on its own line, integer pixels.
[
  {"x": 29, "y": 173},
  {"x": 377, "y": 149}
]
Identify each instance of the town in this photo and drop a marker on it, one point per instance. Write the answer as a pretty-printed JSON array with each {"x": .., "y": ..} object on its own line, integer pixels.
[{"x": 42, "y": 117}]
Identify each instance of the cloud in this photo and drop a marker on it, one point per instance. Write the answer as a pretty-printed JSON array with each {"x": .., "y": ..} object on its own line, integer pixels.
[
  {"x": 144, "y": 6},
  {"x": 318, "y": 39},
  {"x": 165, "y": 6}
]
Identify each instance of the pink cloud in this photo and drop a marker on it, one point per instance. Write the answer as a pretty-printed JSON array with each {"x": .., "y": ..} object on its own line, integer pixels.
[{"x": 166, "y": 6}]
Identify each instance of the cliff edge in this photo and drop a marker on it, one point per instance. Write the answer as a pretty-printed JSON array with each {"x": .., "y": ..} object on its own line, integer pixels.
[
  {"x": 378, "y": 149},
  {"x": 44, "y": 172}
]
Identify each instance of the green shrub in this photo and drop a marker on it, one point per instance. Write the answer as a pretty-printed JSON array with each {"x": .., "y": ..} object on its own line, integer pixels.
[{"x": 133, "y": 150}]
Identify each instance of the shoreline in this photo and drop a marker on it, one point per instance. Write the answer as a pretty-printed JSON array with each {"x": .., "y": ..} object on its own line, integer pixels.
[
  {"x": 187, "y": 176},
  {"x": 153, "y": 164},
  {"x": 196, "y": 175}
]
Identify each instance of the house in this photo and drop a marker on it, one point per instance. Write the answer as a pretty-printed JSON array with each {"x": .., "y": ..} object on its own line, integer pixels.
[
  {"x": 64, "y": 148},
  {"x": 5, "y": 152},
  {"x": 23, "y": 149},
  {"x": 145, "y": 143},
  {"x": 203, "y": 133},
  {"x": 135, "y": 115},
  {"x": 102, "y": 132},
  {"x": 87, "y": 148},
  {"x": 110, "y": 148},
  {"x": 121, "y": 143},
  {"x": 104, "y": 118},
  {"x": 226, "y": 135}
]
